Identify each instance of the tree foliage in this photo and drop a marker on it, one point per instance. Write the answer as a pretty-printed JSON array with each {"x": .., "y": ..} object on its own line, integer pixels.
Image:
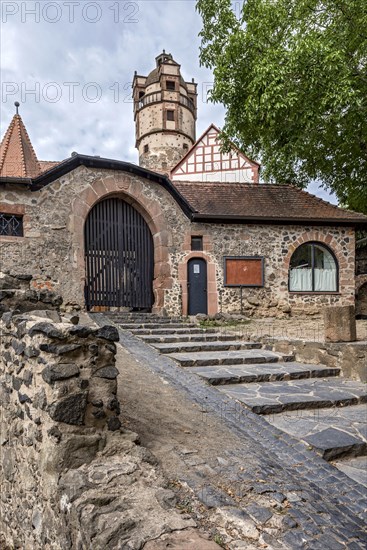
[{"x": 292, "y": 75}]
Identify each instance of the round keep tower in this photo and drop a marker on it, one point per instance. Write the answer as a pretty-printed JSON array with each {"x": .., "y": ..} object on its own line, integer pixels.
[{"x": 165, "y": 115}]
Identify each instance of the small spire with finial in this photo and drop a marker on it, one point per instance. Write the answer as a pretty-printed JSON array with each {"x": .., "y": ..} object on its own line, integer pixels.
[{"x": 17, "y": 105}]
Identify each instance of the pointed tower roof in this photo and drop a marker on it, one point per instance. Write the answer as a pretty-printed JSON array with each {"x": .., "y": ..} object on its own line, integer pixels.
[{"x": 17, "y": 156}]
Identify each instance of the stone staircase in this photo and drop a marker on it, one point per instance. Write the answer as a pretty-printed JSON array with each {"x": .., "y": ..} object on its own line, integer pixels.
[{"x": 312, "y": 402}]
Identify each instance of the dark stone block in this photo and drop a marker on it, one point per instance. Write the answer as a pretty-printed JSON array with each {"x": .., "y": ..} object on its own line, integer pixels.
[
  {"x": 21, "y": 328},
  {"x": 55, "y": 432},
  {"x": 108, "y": 332},
  {"x": 113, "y": 424},
  {"x": 28, "y": 412},
  {"x": 259, "y": 513},
  {"x": 81, "y": 331},
  {"x": 93, "y": 348},
  {"x": 31, "y": 351},
  {"x": 333, "y": 443},
  {"x": 7, "y": 282},
  {"x": 50, "y": 297},
  {"x": 31, "y": 296},
  {"x": 17, "y": 382},
  {"x": 111, "y": 347},
  {"x": 110, "y": 372},
  {"x": 6, "y": 294},
  {"x": 24, "y": 398},
  {"x": 46, "y": 328},
  {"x": 214, "y": 498},
  {"x": 40, "y": 400},
  {"x": 83, "y": 384},
  {"x": 7, "y": 357},
  {"x": 27, "y": 377},
  {"x": 59, "y": 349},
  {"x": 59, "y": 372},
  {"x": 17, "y": 346},
  {"x": 24, "y": 277},
  {"x": 289, "y": 522},
  {"x": 6, "y": 318},
  {"x": 99, "y": 414},
  {"x": 70, "y": 409},
  {"x": 114, "y": 405},
  {"x": 74, "y": 319},
  {"x": 279, "y": 497}
]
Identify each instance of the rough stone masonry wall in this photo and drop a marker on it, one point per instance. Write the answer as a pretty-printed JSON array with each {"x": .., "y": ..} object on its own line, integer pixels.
[
  {"x": 58, "y": 398},
  {"x": 276, "y": 244},
  {"x": 53, "y": 246}
]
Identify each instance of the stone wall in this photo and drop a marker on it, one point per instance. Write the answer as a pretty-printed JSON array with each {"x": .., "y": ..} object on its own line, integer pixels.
[
  {"x": 53, "y": 246},
  {"x": 351, "y": 358},
  {"x": 24, "y": 293},
  {"x": 361, "y": 260},
  {"x": 58, "y": 398},
  {"x": 361, "y": 296}
]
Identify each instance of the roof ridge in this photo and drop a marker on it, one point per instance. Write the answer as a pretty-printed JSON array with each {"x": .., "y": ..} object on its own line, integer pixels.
[
  {"x": 5, "y": 141},
  {"x": 19, "y": 120}
]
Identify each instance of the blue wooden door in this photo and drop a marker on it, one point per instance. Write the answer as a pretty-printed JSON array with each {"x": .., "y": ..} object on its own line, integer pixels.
[{"x": 197, "y": 286}]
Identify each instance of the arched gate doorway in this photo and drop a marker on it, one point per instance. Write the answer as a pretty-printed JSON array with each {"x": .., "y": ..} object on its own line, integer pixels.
[{"x": 119, "y": 257}]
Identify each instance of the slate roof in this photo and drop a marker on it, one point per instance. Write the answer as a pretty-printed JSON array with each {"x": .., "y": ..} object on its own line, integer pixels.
[
  {"x": 270, "y": 203},
  {"x": 17, "y": 156}
]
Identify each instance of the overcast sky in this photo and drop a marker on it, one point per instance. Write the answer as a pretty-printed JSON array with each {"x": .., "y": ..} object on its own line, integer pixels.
[{"x": 71, "y": 63}]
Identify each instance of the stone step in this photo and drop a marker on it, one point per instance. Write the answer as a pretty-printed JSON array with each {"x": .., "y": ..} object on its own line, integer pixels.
[
  {"x": 129, "y": 326},
  {"x": 264, "y": 372},
  {"x": 334, "y": 432},
  {"x": 276, "y": 397},
  {"x": 159, "y": 320},
  {"x": 183, "y": 347},
  {"x": 173, "y": 331},
  {"x": 187, "y": 337},
  {"x": 239, "y": 357}
]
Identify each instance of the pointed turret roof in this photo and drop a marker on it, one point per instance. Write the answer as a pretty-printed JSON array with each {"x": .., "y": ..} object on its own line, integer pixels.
[{"x": 17, "y": 156}]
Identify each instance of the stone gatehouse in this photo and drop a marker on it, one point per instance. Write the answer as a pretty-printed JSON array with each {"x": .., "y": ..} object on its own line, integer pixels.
[{"x": 189, "y": 230}]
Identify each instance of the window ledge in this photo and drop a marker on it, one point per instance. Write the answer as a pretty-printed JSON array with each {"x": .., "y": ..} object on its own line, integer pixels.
[
  {"x": 315, "y": 293},
  {"x": 10, "y": 239}
]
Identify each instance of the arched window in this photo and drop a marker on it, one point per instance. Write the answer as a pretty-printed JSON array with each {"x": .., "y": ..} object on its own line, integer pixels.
[{"x": 313, "y": 268}]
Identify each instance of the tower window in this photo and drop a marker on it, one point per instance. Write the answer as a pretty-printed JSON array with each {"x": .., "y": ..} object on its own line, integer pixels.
[
  {"x": 141, "y": 94},
  {"x": 170, "y": 115},
  {"x": 196, "y": 243},
  {"x": 146, "y": 148},
  {"x": 170, "y": 85}
]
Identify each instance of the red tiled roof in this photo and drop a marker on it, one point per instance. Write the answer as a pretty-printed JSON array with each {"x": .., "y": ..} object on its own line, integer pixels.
[
  {"x": 264, "y": 201},
  {"x": 17, "y": 156},
  {"x": 48, "y": 165}
]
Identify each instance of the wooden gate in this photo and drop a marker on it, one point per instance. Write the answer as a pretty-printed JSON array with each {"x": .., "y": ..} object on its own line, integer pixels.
[{"x": 119, "y": 257}]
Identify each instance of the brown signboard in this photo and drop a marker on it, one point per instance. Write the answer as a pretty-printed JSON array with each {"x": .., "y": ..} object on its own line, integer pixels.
[{"x": 244, "y": 271}]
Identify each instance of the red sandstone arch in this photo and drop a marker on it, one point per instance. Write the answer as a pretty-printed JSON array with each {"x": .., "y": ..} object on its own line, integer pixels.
[
  {"x": 212, "y": 284},
  {"x": 361, "y": 280},
  {"x": 315, "y": 236},
  {"x": 131, "y": 189}
]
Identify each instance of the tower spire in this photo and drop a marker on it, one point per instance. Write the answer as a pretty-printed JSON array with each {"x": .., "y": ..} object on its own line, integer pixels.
[{"x": 17, "y": 156}]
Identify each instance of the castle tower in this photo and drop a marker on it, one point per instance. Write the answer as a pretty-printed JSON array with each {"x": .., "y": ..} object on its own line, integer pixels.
[{"x": 165, "y": 115}]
